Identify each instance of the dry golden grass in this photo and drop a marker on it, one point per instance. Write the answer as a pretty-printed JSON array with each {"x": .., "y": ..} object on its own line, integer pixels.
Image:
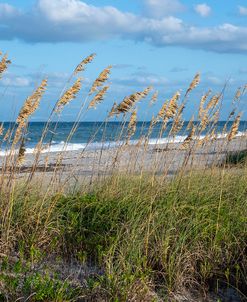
[
  {"x": 4, "y": 64},
  {"x": 127, "y": 104},
  {"x": 81, "y": 67},
  {"x": 30, "y": 106},
  {"x": 98, "y": 98},
  {"x": 193, "y": 84},
  {"x": 102, "y": 78},
  {"x": 234, "y": 128},
  {"x": 69, "y": 95}
]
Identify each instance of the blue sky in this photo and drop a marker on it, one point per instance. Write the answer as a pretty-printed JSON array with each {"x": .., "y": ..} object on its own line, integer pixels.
[{"x": 162, "y": 43}]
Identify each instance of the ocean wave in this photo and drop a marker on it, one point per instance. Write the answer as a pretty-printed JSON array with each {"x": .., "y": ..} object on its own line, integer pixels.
[{"x": 61, "y": 146}]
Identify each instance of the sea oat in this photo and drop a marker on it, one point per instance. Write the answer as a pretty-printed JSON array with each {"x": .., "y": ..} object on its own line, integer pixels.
[
  {"x": 168, "y": 110},
  {"x": 113, "y": 110},
  {"x": 237, "y": 95},
  {"x": 32, "y": 103},
  {"x": 202, "y": 102},
  {"x": 162, "y": 111},
  {"x": 102, "y": 78},
  {"x": 191, "y": 123},
  {"x": 98, "y": 97},
  {"x": 132, "y": 124},
  {"x": 30, "y": 106},
  {"x": 189, "y": 138},
  {"x": 193, "y": 84},
  {"x": 41, "y": 147},
  {"x": 1, "y": 129},
  {"x": 178, "y": 121},
  {"x": 213, "y": 134},
  {"x": 152, "y": 124},
  {"x": 81, "y": 67},
  {"x": 215, "y": 116},
  {"x": 234, "y": 129},
  {"x": 213, "y": 101},
  {"x": 130, "y": 101},
  {"x": 204, "y": 121},
  {"x": 154, "y": 98},
  {"x": 21, "y": 153},
  {"x": 69, "y": 95},
  {"x": 232, "y": 113},
  {"x": 7, "y": 135},
  {"x": 4, "y": 64},
  {"x": 172, "y": 106}
]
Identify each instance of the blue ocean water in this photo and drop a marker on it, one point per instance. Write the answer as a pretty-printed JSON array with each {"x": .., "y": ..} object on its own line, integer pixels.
[{"x": 93, "y": 134}]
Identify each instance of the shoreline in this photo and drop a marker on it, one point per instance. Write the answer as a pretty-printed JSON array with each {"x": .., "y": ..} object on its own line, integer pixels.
[{"x": 132, "y": 158}]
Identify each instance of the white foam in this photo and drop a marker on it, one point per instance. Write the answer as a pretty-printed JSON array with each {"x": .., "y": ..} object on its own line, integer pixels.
[{"x": 59, "y": 147}]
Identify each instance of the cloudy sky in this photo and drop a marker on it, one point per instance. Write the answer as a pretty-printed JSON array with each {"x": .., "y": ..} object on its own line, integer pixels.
[{"x": 162, "y": 43}]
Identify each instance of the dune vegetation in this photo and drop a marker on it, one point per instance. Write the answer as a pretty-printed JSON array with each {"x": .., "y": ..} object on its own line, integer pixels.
[{"x": 131, "y": 234}]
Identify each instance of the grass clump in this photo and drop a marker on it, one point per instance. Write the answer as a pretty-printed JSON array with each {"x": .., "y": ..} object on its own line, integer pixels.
[
  {"x": 147, "y": 240},
  {"x": 37, "y": 287},
  {"x": 236, "y": 158}
]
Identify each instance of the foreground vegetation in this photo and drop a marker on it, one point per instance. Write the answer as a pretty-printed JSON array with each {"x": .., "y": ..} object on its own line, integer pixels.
[
  {"x": 135, "y": 241},
  {"x": 145, "y": 237}
]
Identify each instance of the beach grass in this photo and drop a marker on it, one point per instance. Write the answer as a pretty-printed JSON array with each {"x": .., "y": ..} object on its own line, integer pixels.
[
  {"x": 146, "y": 241},
  {"x": 125, "y": 234}
]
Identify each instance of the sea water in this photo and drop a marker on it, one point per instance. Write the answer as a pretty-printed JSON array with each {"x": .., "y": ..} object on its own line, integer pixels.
[{"x": 95, "y": 135}]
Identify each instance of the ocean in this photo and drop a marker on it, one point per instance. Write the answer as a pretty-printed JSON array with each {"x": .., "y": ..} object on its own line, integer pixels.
[{"x": 94, "y": 135}]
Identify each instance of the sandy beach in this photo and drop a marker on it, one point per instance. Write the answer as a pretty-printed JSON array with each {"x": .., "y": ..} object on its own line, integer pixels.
[{"x": 158, "y": 159}]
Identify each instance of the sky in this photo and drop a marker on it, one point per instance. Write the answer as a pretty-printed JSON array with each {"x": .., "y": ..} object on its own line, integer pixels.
[{"x": 162, "y": 43}]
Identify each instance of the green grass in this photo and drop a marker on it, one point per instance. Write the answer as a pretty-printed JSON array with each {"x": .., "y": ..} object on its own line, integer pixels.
[
  {"x": 148, "y": 240},
  {"x": 236, "y": 158}
]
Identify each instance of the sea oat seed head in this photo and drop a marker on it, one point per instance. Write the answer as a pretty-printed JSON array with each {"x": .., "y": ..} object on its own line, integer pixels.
[
  {"x": 82, "y": 65},
  {"x": 30, "y": 106},
  {"x": 154, "y": 98},
  {"x": 234, "y": 129},
  {"x": 189, "y": 138},
  {"x": 132, "y": 124},
  {"x": 102, "y": 78},
  {"x": 130, "y": 101},
  {"x": 202, "y": 102},
  {"x": 4, "y": 64},
  {"x": 69, "y": 95},
  {"x": 1, "y": 129},
  {"x": 98, "y": 97},
  {"x": 193, "y": 84}
]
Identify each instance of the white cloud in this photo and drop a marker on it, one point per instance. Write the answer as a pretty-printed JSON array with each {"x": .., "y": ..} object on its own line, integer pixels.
[
  {"x": 242, "y": 10},
  {"x": 203, "y": 9},
  {"x": 161, "y": 8},
  {"x": 55, "y": 79},
  {"x": 75, "y": 21},
  {"x": 142, "y": 80},
  {"x": 15, "y": 81}
]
